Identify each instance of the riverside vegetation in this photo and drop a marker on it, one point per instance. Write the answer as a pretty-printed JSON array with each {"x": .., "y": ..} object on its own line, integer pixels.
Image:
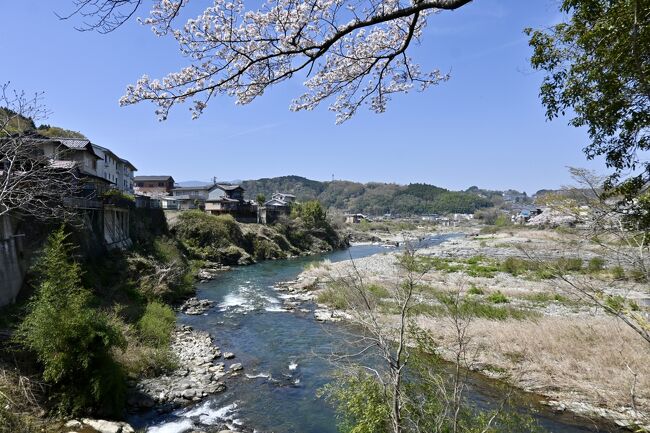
[
  {"x": 93, "y": 324},
  {"x": 528, "y": 323}
]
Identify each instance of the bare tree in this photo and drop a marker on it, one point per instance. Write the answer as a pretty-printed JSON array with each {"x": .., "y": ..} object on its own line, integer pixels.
[
  {"x": 351, "y": 51},
  {"x": 31, "y": 184},
  {"x": 620, "y": 228},
  {"x": 418, "y": 396}
]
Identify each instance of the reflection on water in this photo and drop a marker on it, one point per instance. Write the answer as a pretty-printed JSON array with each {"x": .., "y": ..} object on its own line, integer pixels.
[{"x": 284, "y": 355}]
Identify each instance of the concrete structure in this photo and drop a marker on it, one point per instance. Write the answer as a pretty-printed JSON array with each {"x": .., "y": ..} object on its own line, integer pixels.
[
  {"x": 12, "y": 261},
  {"x": 355, "y": 218},
  {"x": 153, "y": 186},
  {"x": 116, "y": 227}
]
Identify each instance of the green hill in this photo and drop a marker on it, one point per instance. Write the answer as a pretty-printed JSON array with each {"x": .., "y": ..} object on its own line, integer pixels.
[
  {"x": 370, "y": 198},
  {"x": 17, "y": 123}
]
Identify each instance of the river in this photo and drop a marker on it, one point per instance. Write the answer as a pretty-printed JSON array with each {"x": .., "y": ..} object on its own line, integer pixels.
[{"x": 284, "y": 355}]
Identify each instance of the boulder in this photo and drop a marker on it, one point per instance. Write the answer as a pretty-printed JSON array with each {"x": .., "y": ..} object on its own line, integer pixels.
[
  {"x": 103, "y": 426},
  {"x": 236, "y": 367}
]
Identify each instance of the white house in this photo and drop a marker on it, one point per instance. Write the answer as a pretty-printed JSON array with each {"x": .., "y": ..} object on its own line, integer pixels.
[{"x": 116, "y": 170}]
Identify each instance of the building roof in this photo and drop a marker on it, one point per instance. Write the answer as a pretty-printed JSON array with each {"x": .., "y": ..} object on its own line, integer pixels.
[
  {"x": 276, "y": 202},
  {"x": 153, "y": 178},
  {"x": 195, "y": 188},
  {"x": 107, "y": 150},
  {"x": 126, "y": 162},
  {"x": 73, "y": 143},
  {"x": 228, "y": 187},
  {"x": 70, "y": 143},
  {"x": 222, "y": 200}
]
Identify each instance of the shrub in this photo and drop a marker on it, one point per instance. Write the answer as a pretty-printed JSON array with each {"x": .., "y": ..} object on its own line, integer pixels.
[
  {"x": 569, "y": 264},
  {"x": 618, "y": 273},
  {"x": 360, "y": 401},
  {"x": 378, "y": 291},
  {"x": 498, "y": 298},
  {"x": 156, "y": 324},
  {"x": 475, "y": 291},
  {"x": 333, "y": 297},
  {"x": 547, "y": 297},
  {"x": 311, "y": 212},
  {"x": 71, "y": 339},
  {"x": 516, "y": 266},
  {"x": 204, "y": 235},
  {"x": 596, "y": 264}
]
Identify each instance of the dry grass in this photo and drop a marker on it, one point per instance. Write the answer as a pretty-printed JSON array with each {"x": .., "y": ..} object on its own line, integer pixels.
[
  {"x": 586, "y": 360},
  {"x": 19, "y": 403}
]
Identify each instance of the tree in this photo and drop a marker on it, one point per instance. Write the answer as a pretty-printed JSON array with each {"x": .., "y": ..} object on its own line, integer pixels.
[
  {"x": 597, "y": 67},
  {"x": 260, "y": 199},
  {"x": 394, "y": 382},
  {"x": 311, "y": 212},
  {"x": 354, "y": 52},
  {"x": 622, "y": 238},
  {"x": 71, "y": 339},
  {"x": 30, "y": 183}
]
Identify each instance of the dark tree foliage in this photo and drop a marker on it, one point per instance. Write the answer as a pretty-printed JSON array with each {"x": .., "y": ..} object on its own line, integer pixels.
[{"x": 598, "y": 71}]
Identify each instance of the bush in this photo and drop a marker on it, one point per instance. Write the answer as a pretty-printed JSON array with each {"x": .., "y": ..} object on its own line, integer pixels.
[
  {"x": 618, "y": 273},
  {"x": 360, "y": 401},
  {"x": 311, "y": 212},
  {"x": 475, "y": 291},
  {"x": 569, "y": 264},
  {"x": 71, "y": 339},
  {"x": 204, "y": 235},
  {"x": 333, "y": 297},
  {"x": 498, "y": 298},
  {"x": 516, "y": 266},
  {"x": 156, "y": 324},
  {"x": 596, "y": 264}
]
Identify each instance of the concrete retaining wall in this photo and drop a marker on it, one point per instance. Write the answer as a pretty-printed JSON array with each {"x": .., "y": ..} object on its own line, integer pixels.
[{"x": 12, "y": 261}]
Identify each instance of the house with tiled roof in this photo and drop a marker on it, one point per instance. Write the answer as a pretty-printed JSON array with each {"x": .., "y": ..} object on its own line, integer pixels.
[
  {"x": 229, "y": 199},
  {"x": 153, "y": 186}
]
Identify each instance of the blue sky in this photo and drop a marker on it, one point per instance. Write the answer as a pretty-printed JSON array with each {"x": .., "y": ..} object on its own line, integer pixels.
[{"x": 484, "y": 127}]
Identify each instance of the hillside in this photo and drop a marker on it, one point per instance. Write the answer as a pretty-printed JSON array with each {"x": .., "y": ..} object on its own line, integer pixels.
[
  {"x": 15, "y": 123},
  {"x": 370, "y": 198}
]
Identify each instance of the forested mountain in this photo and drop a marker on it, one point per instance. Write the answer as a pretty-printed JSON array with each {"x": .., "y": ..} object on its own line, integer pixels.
[{"x": 370, "y": 198}]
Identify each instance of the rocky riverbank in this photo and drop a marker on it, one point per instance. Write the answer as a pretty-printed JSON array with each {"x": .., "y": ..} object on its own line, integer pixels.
[
  {"x": 545, "y": 339},
  {"x": 200, "y": 374}
]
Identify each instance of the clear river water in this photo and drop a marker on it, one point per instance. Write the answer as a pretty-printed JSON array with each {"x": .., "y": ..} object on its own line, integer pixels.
[{"x": 284, "y": 355}]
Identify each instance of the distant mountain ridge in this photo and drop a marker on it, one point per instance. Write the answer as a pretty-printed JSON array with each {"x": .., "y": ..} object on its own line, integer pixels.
[{"x": 371, "y": 198}]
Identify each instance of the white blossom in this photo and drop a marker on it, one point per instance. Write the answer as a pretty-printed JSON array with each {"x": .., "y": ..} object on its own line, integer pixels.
[{"x": 352, "y": 52}]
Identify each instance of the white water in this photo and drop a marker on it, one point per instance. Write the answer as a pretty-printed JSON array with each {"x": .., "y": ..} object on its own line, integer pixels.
[{"x": 202, "y": 415}]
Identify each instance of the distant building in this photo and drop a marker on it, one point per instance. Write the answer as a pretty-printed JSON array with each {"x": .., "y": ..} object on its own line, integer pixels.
[
  {"x": 153, "y": 186},
  {"x": 229, "y": 199},
  {"x": 355, "y": 218},
  {"x": 271, "y": 210}
]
